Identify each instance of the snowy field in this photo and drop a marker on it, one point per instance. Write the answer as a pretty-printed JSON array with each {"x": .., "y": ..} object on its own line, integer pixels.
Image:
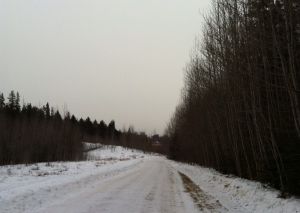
[{"x": 114, "y": 179}]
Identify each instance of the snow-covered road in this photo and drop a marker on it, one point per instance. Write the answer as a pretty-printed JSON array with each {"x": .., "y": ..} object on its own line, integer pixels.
[
  {"x": 118, "y": 180},
  {"x": 114, "y": 179},
  {"x": 151, "y": 186}
]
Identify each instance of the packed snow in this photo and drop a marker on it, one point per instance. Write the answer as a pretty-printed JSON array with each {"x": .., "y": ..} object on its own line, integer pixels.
[{"x": 115, "y": 179}]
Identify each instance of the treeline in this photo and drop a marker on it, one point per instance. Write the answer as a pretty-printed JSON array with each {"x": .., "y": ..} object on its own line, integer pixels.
[
  {"x": 97, "y": 132},
  {"x": 141, "y": 141},
  {"x": 31, "y": 134},
  {"x": 240, "y": 110}
]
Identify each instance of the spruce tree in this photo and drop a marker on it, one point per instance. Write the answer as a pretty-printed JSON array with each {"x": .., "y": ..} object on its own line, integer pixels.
[
  {"x": 73, "y": 119},
  {"x": 102, "y": 129},
  {"x": 2, "y": 101},
  {"x": 17, "y": 102},
  {"x": 57, "y": 116},
  {"x": 47, "y": 110},
  {"x": 111, "y": 129},
  {"x": 11, "y": 100}
]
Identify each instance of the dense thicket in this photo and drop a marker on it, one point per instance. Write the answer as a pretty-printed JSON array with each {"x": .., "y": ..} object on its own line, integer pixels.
[
  {"x": 240, "y": 109},
  {"x": 141, "y": 141},
  {"x": 33, "y": 134}
]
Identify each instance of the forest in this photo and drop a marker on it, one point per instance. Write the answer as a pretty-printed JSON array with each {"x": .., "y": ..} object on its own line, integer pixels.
[
  {"x": 240, "y": 106},
  {"x": 42, "y": 134}
]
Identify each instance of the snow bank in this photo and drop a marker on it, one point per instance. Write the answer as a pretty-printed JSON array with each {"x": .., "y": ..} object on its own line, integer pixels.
[
  {"x": 236, "y": 194},
  {"x": 114, "y": 153}
]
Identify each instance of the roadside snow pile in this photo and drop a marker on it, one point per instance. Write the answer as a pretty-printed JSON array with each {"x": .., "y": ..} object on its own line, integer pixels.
[
  {"x": 236, "y": 194},
  {"x": 114, "y": 153}
]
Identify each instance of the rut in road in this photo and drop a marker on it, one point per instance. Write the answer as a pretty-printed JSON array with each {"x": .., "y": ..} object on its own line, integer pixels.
[{"x": 204, "y": 202}]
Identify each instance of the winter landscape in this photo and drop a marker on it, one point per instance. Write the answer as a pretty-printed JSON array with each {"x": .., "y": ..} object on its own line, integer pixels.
[
  {"x": 150, "y": 106},
  {"x": 116, "y": 179}
]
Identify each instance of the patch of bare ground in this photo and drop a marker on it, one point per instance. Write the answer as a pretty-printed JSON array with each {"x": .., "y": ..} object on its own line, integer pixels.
[{"x": 204, "y": 202}]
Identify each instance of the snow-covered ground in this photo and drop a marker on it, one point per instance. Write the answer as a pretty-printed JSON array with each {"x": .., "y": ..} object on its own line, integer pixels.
[
  {"x": 114, "y": 153},
  {"x": 114, "y": 179},
  {"x": 91, "y": 146},
  {"x": 237, "y": 194}
]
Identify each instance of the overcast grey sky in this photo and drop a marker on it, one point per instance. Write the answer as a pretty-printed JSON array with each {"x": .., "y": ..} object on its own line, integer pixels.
[{"x": 107, "y": 59}]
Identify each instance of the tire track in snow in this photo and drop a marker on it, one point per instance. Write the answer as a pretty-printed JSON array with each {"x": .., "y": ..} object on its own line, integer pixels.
[{"x": 204, "y": 202}]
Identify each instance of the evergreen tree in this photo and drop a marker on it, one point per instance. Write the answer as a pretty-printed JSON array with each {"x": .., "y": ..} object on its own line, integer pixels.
[
  {"x": 73, "y": 119},
  {"x": 11, "y": 100},
  {"x": 111, "y": 129},
  {"x": 2, "y": 101},
  {"x": 52, "y": 111},
  {"x": 47, "y": 110},
  {"x": 102, "y": 129},
  {"x": 17, "y": 102},
  {"x": 67, "y": 116},
  {"x": 89, "y": 126},
  {"x": 111, "y": 125},
  {"x": 81, "y": 124},
  {"x": 95, "y": 123},
  {"x": 57, "y": 116}
]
